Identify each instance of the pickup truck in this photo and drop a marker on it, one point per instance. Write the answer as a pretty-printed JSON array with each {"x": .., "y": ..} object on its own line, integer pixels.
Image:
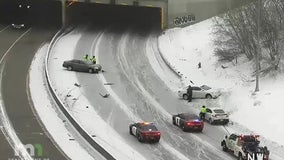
[{"x": 245, "y": 147}]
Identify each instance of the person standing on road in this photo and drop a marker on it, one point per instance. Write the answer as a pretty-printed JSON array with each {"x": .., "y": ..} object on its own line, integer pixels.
[
  {"x": 189, "y": 93},
  {"x": 202, "y": 112},
  {"x": 86, "y": 57},
  {"x": 93, "y": 60}
]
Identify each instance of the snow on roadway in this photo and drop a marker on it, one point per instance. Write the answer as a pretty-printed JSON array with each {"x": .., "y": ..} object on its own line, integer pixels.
[
  {"x": 79, "y": 106},
  {"x": 47, "y": 113},
  {"x": 184, "y": 48},
  {"x": 262, "y": 113}
]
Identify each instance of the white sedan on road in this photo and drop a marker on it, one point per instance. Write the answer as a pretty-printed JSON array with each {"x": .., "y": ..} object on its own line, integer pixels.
[
  {"x": 203, "y": 91},
  {"x": 216, "y": 115}
]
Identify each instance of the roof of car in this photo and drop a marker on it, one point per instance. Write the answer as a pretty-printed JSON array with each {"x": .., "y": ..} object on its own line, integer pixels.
[
  {"x": 148, "y": 126},
  {"x": 146, "y": 123},
  {"x": 188, "y": 116},
  {"x": 215, "y": 108}
]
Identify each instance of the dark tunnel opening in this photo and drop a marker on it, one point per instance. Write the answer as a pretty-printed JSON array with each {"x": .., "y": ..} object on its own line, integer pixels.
[
  {"x": 48, "y": 13},
  {"x": 31, "y": 12},
  {"x": 85, "y": 13}
]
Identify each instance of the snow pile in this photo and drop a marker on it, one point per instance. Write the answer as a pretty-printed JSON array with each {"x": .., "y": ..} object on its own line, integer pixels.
[{"x": 185, "y": 48}]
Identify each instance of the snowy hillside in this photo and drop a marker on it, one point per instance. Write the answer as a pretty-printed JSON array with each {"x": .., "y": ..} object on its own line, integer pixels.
[{"x": 185, "y": 48}]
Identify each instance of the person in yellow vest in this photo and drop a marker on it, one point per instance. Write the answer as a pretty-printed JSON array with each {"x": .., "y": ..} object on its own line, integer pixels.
[
  {"x": 93, "y": 59},
  {"x": 202, "y": 112},
  {"x": 86, "y": 57}
]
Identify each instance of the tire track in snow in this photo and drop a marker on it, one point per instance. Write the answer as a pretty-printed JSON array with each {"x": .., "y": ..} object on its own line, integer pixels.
[
  {"x": 165, "y": 115},
  {"x": 124, "y": 107}
]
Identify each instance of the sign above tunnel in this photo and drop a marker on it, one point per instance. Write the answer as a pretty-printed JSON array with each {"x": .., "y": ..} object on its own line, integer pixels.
[{"x": 184, "y": 20}]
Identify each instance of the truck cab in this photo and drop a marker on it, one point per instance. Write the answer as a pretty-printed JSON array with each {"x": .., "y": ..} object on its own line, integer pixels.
[{"x": 244, "y": 146}]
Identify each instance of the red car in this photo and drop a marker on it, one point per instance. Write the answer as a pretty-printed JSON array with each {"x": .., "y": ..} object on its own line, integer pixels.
[
  {"x": 188, "y": 122},
  {"x": 145, "y": 132}
]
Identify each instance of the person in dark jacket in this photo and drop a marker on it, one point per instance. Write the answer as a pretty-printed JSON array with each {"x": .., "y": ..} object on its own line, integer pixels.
[
  {"x": 93, "y": 60},
  {"x": 189, "y": 93}
]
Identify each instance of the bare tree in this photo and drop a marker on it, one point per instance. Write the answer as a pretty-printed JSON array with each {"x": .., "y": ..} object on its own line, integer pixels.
[{"x": 236, "y": 34}]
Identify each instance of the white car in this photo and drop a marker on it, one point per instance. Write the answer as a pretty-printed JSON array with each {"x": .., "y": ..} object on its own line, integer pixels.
[
  {"x": 216, "y": 115},
  {"x": 203, "y": 91}
]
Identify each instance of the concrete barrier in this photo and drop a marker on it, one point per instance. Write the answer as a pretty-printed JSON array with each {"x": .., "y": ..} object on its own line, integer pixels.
[{"x": 65, "y": 111}]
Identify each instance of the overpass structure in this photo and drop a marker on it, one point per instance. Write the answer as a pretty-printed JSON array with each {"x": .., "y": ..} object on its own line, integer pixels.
[
  {"x": 174, "y": 13},
  {"x": 161, "y": 13}
]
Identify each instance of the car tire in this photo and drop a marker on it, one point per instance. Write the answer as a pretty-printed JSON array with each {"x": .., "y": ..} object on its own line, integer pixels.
[
  {"x": 90, "y": 70},
  {"x": 226, "y": 122},
  {"x": 69, "y": 68},
  {"x": 240, "y": 157},
  {"x": 183, "y": 128},
  {"x": 174, "y": 123},
  {"x": 208, "y": 96},
  {"x": 140, "y": 139},
  {"x": 211, "y": 121},
  {"x": 185, "y": 96},
  {"x": 130, "y": 132}
]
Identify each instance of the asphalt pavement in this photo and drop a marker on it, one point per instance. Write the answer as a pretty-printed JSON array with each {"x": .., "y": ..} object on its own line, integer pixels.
[{"x": 15, "y": 90}]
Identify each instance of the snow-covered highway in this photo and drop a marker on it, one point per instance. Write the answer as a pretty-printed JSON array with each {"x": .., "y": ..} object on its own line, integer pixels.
[{"x": 137, "y": 94}]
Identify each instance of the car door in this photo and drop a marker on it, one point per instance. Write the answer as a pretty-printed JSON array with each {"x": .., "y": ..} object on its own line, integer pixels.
[
  {"x": 83, "y": 66},
  {"x": 232, "y": 140},
  {"x": 208, "y": 114},
  {"x": 75, "y": 65},
  {"x": 177, "y": 120},
  {"x": 197, "y": 92},
  {"x": 134, "y": 130}
]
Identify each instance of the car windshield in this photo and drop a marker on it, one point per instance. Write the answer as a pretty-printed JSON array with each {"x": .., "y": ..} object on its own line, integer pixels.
[
  {"x": 219, "y": 111},
  {"x": 149, "y": 128},
  {"x": 205, "y": 87},
  {"x": 248, "y": 138}
]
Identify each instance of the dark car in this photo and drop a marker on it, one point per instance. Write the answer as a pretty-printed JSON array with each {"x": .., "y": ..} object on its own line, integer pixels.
[
  {"x": 82, "y": 66},
  {"x": 145, "y": 132},
  {"x": 188, "y": 122}
]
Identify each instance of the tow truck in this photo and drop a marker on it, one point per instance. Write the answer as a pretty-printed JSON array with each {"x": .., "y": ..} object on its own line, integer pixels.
[{"x": 245, "y": 147}]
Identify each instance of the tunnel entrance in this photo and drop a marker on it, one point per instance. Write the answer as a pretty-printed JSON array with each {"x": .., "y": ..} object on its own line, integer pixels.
[
  {"x": 85, "y": 13},
  {"x": 49, "y": 13}
]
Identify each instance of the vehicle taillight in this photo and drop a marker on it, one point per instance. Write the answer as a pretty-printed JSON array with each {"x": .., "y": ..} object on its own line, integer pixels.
[
  {"x": 189, "y": 123},
  {"x": 158, "y": 133}
]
